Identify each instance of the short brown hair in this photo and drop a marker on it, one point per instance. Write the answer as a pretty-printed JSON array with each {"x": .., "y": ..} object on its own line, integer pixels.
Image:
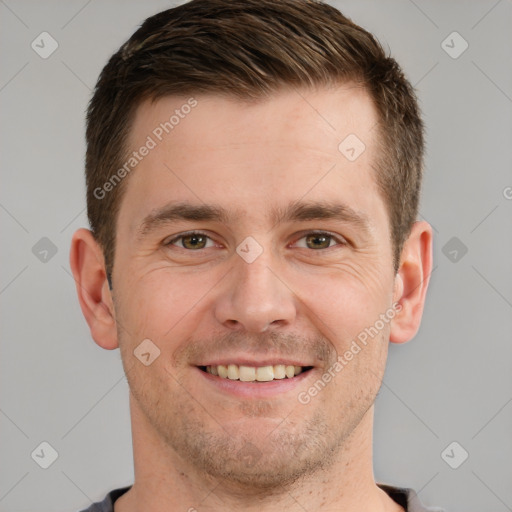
[{"x": 249, "y": 49}]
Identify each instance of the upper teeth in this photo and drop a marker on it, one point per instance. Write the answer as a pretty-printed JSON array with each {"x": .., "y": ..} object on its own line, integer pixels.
[{"x": 254, "y": 373}]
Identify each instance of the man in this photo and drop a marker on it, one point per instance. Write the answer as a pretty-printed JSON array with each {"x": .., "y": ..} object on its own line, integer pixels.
[{"x": 253, "y": 176}]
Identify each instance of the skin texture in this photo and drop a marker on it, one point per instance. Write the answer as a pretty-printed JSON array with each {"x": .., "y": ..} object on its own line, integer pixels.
[{"x": 197, "y": 444}]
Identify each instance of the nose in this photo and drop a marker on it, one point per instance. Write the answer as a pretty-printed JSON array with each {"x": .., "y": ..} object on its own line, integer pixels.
[{"x": 255, "y": 298}]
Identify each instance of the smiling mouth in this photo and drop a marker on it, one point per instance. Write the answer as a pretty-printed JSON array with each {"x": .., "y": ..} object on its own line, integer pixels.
[{"x": 255, "y": 373}]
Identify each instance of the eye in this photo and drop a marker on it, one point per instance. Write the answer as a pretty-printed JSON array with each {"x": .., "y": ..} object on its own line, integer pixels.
[
  {"x": 191, "y": 241},
  {"x": 318, "y": 240}
]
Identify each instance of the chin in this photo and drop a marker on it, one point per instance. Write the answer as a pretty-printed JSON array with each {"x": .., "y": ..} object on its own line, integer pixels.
[
  {"x": 258, "y": 460},
  {"x": 265, "y": 471}
]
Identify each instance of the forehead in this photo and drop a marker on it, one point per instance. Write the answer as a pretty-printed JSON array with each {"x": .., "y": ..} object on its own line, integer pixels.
[
  {"x": 316, "y": 144},
  {"x": 317, "y": 117}
]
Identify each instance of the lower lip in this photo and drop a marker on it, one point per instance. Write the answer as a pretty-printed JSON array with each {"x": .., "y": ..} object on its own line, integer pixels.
[{"x": 255, "y": 389}]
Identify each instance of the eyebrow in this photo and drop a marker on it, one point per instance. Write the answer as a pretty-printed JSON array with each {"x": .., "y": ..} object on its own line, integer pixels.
[
  {"x": 298, "y": 211},
  {"x": 323, "y": 210}
]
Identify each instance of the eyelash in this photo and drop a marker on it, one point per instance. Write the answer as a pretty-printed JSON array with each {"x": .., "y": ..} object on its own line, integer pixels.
[{"x": 340, "y": 240}]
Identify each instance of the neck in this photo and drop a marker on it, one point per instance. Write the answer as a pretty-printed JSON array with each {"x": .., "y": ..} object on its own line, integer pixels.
[{"x": 165, "y": 481}]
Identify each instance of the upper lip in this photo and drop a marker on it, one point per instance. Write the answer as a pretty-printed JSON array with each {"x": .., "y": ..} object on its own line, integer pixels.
[{"x": 240, "y": 361}]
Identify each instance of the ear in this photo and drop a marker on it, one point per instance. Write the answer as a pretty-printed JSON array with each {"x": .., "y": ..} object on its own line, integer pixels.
[
  {"x": 411, "y": 283},
  {"x": 88, "y": 267}
]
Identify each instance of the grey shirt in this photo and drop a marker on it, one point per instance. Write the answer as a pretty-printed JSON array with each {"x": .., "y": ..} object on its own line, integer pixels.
[{"x": 406, "y": 498}]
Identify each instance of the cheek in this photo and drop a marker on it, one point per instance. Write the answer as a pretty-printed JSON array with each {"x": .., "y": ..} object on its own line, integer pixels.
[
  {"x": 161, "y": 303},
  {"x": 344, "y": 301}
]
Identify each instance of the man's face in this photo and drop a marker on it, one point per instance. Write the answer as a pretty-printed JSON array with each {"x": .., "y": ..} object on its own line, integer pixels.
[{"x": 247, "y": 238}]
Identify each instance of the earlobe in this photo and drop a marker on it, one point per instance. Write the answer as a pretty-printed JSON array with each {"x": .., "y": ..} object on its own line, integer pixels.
[
  {"x": 88, "y": 267},
  {"x": 411, "y": 282}
]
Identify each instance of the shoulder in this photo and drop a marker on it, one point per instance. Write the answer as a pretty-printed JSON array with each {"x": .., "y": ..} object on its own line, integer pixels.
[
  {"x": 407, "y": 498},
  {"x": 107, "y": 505}
]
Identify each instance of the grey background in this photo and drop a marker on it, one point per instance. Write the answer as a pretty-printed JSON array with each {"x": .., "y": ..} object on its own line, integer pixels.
[{"x": 451, "y": 383}]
